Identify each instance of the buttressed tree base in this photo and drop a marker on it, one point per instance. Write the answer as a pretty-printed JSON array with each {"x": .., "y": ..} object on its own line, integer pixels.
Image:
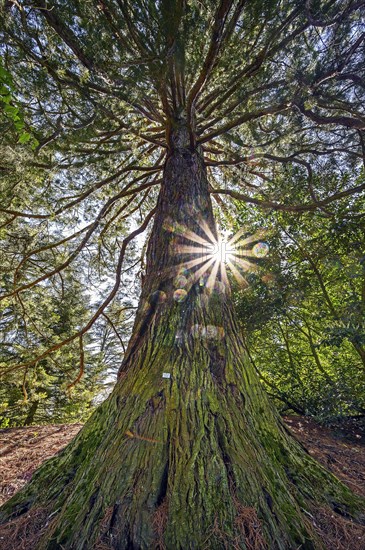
[{"x": 187, "y": 452}]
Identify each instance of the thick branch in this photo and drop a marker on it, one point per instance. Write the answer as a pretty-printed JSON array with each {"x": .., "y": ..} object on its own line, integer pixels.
[
  {"x": 63, "y": 32},
  {"x": 83, "y": 243},
  {"x": 289, "y": 208},
  {"x": 272, "y": 109},
  {"x": 101, "y": 308},
  {"x": 215, "y": 44},
  {"x": 349, "y": 122}
]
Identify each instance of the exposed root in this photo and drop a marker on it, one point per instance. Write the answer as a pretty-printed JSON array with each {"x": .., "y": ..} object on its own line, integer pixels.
[
  {"x": 159, "y": 524},
  {"x": 24, "y": 532},
  {"x": 337, "y": 532}
]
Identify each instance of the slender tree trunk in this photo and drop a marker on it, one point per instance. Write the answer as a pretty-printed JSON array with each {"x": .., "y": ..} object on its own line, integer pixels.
[
  {"x": 31, "y": 413},
  {"x": 187, "y": 452},
  {"x": 360, "y": 351},
  {"x": 357, "y": 347}
]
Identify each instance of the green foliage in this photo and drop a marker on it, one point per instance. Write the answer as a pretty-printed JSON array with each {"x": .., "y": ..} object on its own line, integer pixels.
[
  {"x": 303, "y": 314},
  {"x": 47, "y": 314},
  {"x": 11, "y": 117},
  {"x": 272, "y": 92},
  {"x": 41, "y": 395},
  {"x": 128, "y": 97}
]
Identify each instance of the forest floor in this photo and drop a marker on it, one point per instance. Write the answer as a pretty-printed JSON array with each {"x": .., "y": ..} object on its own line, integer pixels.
[
  {"x": 340, "y": 447},
  {"x": 22, "y": 451}
]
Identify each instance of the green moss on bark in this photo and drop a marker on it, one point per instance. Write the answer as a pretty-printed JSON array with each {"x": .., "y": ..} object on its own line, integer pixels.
[{"x": 206, "y": 444}]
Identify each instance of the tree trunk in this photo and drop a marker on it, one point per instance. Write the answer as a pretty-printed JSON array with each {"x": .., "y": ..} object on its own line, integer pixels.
[
  {"x": 31, "y": 413},
  {"x": 187, "y": 452}
]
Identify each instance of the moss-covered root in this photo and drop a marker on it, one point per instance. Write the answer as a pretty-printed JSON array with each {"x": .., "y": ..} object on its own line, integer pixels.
[
  {"x": 194, "y": 459},
  {"x": 199, "y": 460}
]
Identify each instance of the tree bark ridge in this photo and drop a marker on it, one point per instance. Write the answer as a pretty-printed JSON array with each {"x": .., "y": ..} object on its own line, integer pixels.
[{"x": 197, "y": 459}]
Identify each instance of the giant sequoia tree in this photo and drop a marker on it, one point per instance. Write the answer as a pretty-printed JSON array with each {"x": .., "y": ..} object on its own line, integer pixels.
[{"x": 155, "y": 107}]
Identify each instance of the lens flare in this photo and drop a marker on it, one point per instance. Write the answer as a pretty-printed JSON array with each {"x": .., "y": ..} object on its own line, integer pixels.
[
  {"x": 209, "y": 258},
  {"x": 260, "y": 250},
  {"x": 180, "y": 295},
  {"x": 222, "y": 250}
]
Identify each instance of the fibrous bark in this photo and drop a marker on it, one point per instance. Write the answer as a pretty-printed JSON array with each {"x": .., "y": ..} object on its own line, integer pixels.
[{"x": 187, "y": 452}]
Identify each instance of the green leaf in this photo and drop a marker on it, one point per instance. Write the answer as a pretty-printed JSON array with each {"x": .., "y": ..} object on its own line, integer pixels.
[{"x": 24, "y": 137}]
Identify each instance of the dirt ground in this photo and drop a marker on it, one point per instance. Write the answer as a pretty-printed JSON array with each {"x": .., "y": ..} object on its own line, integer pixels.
[
  {"x": 22, "y": 450},
  {"x": 340, "y": 447}
]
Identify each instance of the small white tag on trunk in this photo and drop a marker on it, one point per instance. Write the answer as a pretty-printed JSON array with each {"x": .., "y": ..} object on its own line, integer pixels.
[{"x": 166, "y": 375}]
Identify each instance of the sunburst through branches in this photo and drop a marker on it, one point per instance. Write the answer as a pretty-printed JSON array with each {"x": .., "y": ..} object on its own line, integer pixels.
[{"x": 210, "y": 257}]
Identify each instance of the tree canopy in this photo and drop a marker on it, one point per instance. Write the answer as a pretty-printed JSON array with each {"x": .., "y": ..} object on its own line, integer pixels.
[{"x": 273, "y": 94}]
